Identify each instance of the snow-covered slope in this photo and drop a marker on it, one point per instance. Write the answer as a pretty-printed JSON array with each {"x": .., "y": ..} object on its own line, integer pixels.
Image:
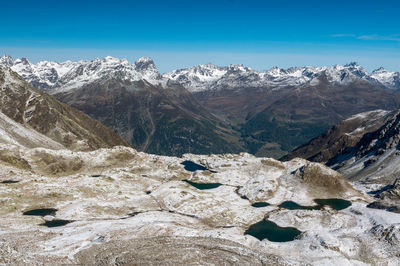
[
  {"x": 15, "y": 133},
  {"x": 36, "y": 110},
  {"x": 60, "y": 77},
  {"x": 387, "y": 78}
]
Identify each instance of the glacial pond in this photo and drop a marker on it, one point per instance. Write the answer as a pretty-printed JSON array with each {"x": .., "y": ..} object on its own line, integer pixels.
[
  {"x": 203, "y": 186},
  {"x": 41, "y": 212},
  {"x": 336, "y": 204},
  {"x": 260, "y": 204},
  {"x": 56, "y": 223},
  {"x": 291, "y": 205},
  {"x": 272, "y": 232},
  {"x": 193, "y": 167}
]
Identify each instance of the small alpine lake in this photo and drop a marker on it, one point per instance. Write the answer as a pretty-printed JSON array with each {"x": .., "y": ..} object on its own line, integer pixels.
[
  {"x": 269, "y": 230},
  {"x": 203, "y": 186},
  {"x": 336, "y": 204},
  {"x": 193, "y": 167},
  {"x": 41, "y": 212}
]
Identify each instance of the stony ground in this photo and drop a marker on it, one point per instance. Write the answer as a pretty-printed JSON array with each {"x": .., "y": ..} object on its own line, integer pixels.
[{"x": 127, "y": 207}]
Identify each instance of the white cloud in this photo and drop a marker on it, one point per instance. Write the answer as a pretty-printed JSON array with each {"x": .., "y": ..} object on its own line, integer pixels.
[{"x": 372, "y": 37}]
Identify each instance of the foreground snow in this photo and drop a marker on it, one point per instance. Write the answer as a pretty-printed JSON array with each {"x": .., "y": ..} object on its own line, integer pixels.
[{"x": 127, "y": 205}]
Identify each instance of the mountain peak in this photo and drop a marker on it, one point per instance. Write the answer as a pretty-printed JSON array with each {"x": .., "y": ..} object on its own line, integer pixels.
[
  {"x": 144, "y": 63},
  {"x": 23, "y": 61},
  {"x": 379, "y": 70},
  {"x": 147, "y": 68},
  {"x": 352, "y": 64},
  {"x": 6, "y": 60},
  {"x": 110, "y": 58}
]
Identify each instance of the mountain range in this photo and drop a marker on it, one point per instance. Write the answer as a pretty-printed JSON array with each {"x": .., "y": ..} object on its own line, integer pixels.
[
  {"x": 56, "y": 77},
  {"x": 232, "y": 108}
]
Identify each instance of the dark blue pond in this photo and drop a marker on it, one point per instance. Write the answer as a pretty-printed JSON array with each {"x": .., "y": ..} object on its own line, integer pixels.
[
  {"x": 41, "y": 212},
  {"x": 272, "y": 232},
  {"x": 336, "y": 204},
  {"x": 203, "y": 186},
  {"x": 56, "y": 223},
  {"x": 291, "y": 205},
  {"x": 260, "y": 204},
  {"x": 192, "y": 167}
]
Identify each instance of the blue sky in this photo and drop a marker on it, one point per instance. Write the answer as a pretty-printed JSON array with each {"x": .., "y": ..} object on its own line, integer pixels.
[{"x": 178, "y": 33}]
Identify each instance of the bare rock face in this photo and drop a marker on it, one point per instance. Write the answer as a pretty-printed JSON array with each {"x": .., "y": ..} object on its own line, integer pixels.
[
  {"x": 390, "y": 234},
  {"x": 387, "y": 198},
  {"x": 392, "y": 192}
]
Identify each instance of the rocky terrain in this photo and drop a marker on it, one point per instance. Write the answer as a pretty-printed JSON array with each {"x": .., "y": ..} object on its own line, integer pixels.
[
  {"x": 365, "y": 149},
  {"x": 341, "y": 136},
  {"x": 234, "y": 108},
  {"x": 118, "y": 206}
]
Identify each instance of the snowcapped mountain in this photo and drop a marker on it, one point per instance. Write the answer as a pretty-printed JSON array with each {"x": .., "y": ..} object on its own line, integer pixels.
[
  {"x": 387, "y": 78},
  {"x": 211, "y": 77},
  {"x": 60, "y": 77}
]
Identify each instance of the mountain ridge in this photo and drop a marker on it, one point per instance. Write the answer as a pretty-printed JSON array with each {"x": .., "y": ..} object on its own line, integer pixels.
[
  {"x": 49, "y": 74},
  {"x": 37, "y": 111}
]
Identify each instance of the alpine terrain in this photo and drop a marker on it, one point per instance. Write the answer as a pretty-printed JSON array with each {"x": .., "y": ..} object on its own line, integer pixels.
[
  {"x": 120, "y": 206},
  {"x": 65, "y": 201},
  {"x": 213, "y": 109}
]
